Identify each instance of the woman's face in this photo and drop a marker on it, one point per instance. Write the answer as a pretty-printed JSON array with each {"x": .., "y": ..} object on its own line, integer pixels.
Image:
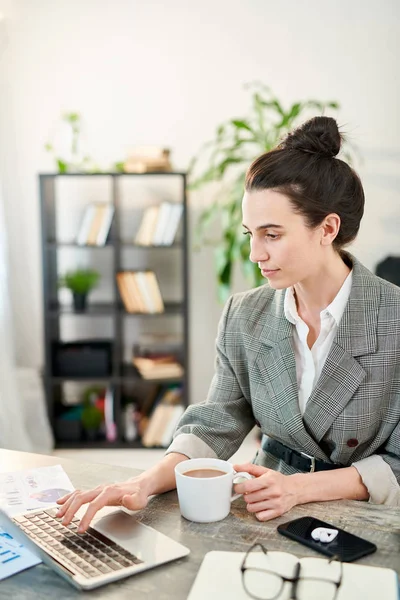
[{"x": 286, "y": 250}]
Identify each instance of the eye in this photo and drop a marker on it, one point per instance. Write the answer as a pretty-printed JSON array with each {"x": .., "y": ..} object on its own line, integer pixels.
[{"x": 273, "y": 236}]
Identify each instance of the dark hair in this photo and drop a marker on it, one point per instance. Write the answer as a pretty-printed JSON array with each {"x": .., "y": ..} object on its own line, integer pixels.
[{"x": 304, "y": 168}]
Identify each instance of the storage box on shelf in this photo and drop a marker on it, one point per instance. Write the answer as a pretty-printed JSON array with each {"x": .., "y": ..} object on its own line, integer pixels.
[{"x": 114, "y": 400}]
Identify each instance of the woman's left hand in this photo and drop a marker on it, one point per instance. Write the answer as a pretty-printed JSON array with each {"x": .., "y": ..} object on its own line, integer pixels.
[{"x": 269, "y": 495}]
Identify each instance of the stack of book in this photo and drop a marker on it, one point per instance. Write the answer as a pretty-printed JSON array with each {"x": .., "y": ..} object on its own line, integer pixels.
[
  {"x": 164, "y": 419},
  {"x": 159, "y": 224},
  {"x": 145, "y": 159},
  {"x": 140, "y": 292},
  {"x": 95, "y": 225},
  {"x": 158, "y": 367}
]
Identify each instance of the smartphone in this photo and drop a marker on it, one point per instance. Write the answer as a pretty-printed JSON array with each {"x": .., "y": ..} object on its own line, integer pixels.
[{"x": 346, "y": 546}]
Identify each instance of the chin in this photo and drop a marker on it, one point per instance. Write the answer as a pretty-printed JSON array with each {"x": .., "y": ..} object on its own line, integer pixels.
[{"x": 278, "y": 285}]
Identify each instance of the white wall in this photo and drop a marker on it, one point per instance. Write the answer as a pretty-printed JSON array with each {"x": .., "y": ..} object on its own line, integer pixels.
[{"x": 168, "y": 73}]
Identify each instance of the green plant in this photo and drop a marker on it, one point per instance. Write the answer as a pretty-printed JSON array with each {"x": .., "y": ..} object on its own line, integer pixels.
[
  {"x": 80, "y": 281},
  {"x": 237, "y": 143},
  {"x": 75, "y": 161},
  {"x": 92, "y": 416}
]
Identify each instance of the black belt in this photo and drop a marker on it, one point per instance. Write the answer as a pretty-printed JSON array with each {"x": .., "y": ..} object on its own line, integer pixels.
[{"x": 298, "y": 460}]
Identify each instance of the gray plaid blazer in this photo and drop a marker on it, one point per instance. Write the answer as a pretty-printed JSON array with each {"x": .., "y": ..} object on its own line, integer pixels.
[{"x": 357, "y": 396}]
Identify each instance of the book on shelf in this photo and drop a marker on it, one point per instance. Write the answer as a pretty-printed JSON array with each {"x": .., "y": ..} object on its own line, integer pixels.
[
  {"x": 140, "y": 292},
  {"x": 159, "y": 224},
  {"x": 96, "y": 224},
  {"x": 147, "y": 226},
  {"x": 158, "y": 367},
  {"x": 164, "y": 418}
]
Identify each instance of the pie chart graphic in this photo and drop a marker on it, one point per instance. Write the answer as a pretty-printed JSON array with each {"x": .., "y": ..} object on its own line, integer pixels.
[{"x": 50, "y": 496}]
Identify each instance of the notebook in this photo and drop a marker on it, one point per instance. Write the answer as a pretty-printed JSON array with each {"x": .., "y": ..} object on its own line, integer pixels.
[{"x": 220, "y": 577}]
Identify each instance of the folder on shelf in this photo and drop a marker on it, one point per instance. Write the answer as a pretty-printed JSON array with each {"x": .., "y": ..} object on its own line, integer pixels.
[
  {"x": 140, "y": 292},
  {"x": 173, "y": 224},
  {"x": 145, "y": 234},
  {"x": 135, "y": 293},
  {"x": 86, "y": 224},
  {"x": 95, "y": 226},
  {"x": 154, "y": 290},
  {"x": 129, "y": 304},
  {"x": 105, "y": 225},
  {"x": 164, "y": 215}
]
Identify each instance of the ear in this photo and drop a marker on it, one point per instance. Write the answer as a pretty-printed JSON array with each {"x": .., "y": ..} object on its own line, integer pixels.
[{"x": 329, "y": 229}]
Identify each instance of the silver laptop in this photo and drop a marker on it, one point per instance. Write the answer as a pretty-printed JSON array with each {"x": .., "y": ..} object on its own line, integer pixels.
[{"x": 114, "y": 547}]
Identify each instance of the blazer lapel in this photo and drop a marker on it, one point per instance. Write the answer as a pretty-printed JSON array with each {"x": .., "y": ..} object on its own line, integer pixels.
[
  {"x": 277, "y": 366},
  {"x": 342, "y": 374}
]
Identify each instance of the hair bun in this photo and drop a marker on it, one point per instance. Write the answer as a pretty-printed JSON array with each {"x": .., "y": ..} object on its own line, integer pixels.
[{"x": 319, "y": 135}]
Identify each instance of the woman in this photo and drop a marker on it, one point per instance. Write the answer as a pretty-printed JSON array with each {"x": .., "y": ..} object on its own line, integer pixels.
[{"x": 313, "y": 358}]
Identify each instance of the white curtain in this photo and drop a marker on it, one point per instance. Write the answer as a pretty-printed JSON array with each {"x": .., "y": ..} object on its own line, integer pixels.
[
  {"x": 23, "y": 420},
  {"x": 13, "y": 432}
]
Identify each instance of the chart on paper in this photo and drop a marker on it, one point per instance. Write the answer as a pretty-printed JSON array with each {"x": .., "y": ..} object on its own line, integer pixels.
[
  {"x": 13, "y": 556},
  {"x": 21, "y": 491}
]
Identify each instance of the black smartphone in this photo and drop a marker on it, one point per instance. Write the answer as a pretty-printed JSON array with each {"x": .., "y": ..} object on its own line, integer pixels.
[{"x": 346, "y": 546}]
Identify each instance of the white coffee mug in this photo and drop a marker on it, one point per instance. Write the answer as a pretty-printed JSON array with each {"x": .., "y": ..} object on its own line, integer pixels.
[{"x": 206, "y": 499}]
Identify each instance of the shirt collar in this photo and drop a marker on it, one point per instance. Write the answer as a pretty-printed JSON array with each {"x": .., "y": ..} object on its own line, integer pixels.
[{"x": 335, "y": 308}]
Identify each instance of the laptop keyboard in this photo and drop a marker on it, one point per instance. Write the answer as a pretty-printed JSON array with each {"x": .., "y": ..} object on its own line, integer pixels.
[{"x": 90, "y": 554}]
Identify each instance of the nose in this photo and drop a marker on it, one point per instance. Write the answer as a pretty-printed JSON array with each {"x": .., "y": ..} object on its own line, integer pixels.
[{"x": 258, "y": 252}]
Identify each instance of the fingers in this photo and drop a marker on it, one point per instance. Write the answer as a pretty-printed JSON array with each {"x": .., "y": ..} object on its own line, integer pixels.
[
  {"x": 255, "y": 470},
  {"x": 105, "y": 498},
  {"x": 253, "y": 485},
  {"x": 63, "y": 499},
  {"x": 263, "y": 505},
  {"x": 260, "y": 495},
  {"x": 73, "y": 504},
  {"x": 268, "y": 515}
]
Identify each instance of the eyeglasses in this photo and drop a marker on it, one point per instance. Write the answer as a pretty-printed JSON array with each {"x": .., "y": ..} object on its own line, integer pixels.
[{"x": 264, "y": 576}]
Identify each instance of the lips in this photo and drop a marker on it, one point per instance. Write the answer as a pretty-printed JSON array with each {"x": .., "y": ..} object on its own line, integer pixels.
[{"x": 269, "y": 272}]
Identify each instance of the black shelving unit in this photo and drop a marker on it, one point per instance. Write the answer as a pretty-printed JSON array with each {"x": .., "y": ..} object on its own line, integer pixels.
[{"x": 53, "y": 312}]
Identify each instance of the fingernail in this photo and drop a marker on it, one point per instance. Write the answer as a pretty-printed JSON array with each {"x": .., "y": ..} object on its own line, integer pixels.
[
  {"x": 81, "y": 529},
  {"x": 58, "y": 513}
]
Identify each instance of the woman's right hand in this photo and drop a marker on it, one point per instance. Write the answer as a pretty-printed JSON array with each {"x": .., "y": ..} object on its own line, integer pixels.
[{"x": 132, "y": 494}]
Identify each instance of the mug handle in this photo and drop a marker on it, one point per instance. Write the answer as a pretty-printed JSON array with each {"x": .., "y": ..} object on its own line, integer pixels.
[{"x": 243, "y": 476}]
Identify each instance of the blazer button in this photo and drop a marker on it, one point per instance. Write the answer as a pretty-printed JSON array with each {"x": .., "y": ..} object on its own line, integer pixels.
[
  {"x": 258, "y": 423},
  {"x": 352, "y": 443}
]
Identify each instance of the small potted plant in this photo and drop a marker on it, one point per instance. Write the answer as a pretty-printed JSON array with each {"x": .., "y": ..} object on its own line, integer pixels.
[
  {"x": 80, "y": 282},
  {"x": 92, "y": 415}
]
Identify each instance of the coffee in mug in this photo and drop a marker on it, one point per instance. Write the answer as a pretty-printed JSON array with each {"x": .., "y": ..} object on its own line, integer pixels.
[
  {"x": 204, "y": 473},
  {"x": 205, "y": 488}
]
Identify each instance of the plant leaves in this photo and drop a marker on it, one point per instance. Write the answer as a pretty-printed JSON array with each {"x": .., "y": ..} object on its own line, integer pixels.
[
  {"x": 237, "y": 143},
  {"x": 241, "y": 125},
  {"x": 62, "y": 165}
]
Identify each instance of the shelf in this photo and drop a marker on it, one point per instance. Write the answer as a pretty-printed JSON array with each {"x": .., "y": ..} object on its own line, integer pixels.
[
  {"x": 151, "y": 247},
  {"x": 92, "y": 310},
  {"x": 101, "y": 309},
  {"x": 55, "y": 379},
  {"x": 102, "y": 444},
  {"x": 53, "y": 245},
  {"x": 170, "y": 308},
  {"x": 58, "y": 244},
  {"x": 115, "y": 174}
]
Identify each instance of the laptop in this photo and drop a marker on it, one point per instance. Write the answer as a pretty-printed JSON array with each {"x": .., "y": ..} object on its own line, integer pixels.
[{"x": 114, "y": 547}]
